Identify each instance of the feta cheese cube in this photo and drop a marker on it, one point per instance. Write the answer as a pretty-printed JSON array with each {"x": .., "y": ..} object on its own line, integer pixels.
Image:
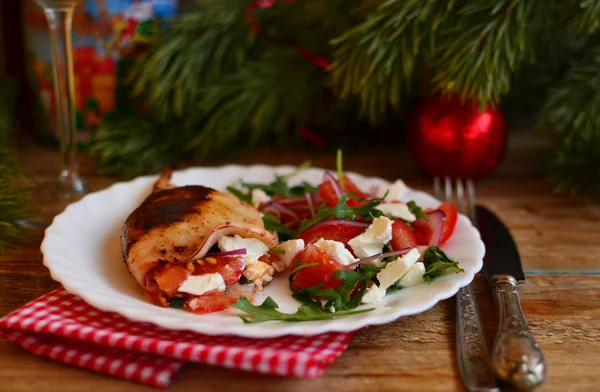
[
  {"x": 397, "y": 191},
  {"x": 202, "y": 284},
  {"x": 413, "y": 276},
  {"x": 373, "y": 239},
  {"x": 291, "y": 249},
  {"x": 254, "y": 248},
  {"x": 397, "y": 210},
  {"x": 373, "y": 295},
  {"x": 259, "y": 197},
  {"x": 337, "y": 250},
  {"x": 259, "y": 273},
  {"x": 394, "y": 270}
]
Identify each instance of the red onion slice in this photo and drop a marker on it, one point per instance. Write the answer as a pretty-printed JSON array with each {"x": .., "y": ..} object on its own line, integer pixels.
[
  {"x": 383, "y": 255},
  {"x": 436, "y": 223},
  {"x": 342, "y": 222},
  {"x": 311, "y": 205},
  {"x": 243, "y": 229},
  {"x": 334, "y": 183},
  {"x": 291, "y": 202},
  {"x": 278, "y": 210},
  {"x": 236, "y": 252}
]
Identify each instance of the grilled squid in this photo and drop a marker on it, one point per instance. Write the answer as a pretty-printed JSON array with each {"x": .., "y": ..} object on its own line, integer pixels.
[{"x": 196, "y": 248}]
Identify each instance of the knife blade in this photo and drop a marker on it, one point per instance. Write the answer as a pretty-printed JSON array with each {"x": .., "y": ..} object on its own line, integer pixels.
[{"x": 516, "y": 357}]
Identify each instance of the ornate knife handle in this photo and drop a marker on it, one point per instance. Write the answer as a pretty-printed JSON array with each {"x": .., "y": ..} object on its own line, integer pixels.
[
  {"x": 516, "y": 357},
  {"x": 472, "y": 344}
]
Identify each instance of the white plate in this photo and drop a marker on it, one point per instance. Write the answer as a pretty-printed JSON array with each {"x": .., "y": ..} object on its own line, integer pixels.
[{"x": 82, "y": 250}]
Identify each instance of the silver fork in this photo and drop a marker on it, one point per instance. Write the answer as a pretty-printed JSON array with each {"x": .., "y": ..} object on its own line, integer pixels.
[{"x": 472, "y": 343}]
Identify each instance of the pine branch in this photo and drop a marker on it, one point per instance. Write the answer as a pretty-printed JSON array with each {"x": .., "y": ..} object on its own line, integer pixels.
[
  {"x": 572, "y": 111},
  {"x": 15, "y": 196},
  {"x": 377, "y": 59},
  {"x": 264, "y": 101},
  {"x": 485, "y": 43},
  {"x": 220, "y": 41},
  {"x": 587, "y": 20},
  {"x": 132, "y": 145}
]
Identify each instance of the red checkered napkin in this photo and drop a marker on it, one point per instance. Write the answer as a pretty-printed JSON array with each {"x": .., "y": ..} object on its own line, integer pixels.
[{"x": 61, "y": 326}]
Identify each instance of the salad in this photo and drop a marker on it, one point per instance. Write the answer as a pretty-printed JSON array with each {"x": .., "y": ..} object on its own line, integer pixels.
[{"x": 346, "y": 246}]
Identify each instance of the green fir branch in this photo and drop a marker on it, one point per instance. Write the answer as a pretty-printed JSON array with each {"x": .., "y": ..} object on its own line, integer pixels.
[
  {"x": 270, "y": 96},
  {"x": 377, "y": 59},
  {"x": 15, "y": 194},
  {"x": 129, "y": 146},
  {"x": 195, "y": 49},
  {"x": 572, "y": 112}
]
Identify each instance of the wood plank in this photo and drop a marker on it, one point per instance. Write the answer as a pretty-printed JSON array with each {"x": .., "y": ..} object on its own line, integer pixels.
[{"x": 412, "y": 353}]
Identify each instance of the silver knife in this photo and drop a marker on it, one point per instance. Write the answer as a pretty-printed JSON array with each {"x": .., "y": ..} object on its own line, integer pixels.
[{"x": 516, "y": 357}]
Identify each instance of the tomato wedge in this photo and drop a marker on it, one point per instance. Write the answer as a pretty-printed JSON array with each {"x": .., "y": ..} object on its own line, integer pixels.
[
  {"x": 402, "y": 236},
  {"x": 422, "y": 231},
  {"x": 230, "y": 267},
  {"x": 341, "y": 231},
  {"x": 328, "y": 193},
  {"x": 323, "y": 272},
  {"x": 211, "y": 302},
  {"x": 449, "y": 222}
]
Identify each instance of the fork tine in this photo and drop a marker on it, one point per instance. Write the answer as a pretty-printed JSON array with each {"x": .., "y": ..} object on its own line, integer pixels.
[
  {"x": 448, "y": 188},
  {"x": 471, "y": 201},
  {"x": 460, "y": 192},
  {"x": 437, "y": 187}
]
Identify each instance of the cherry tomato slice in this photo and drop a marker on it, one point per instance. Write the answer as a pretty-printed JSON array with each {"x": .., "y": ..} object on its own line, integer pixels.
[
  {"x": 402, "y": 236},
  {"x": 211, "y": 302},
  {"x": 321, "y": 273},
  {"x": 449, "y": 210},
  {"x": 230, "y": 267},
  {"x": 327, "y": 192},
  {"x": 422, "y": 231},
  {"x": 334, "y": 230}
]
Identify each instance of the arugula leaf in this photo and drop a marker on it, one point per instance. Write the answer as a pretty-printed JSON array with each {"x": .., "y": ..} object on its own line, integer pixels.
[
  {"x": 240, "y": 195},
  {"x": 339, "y": 169},
  {"x": 300, "y": 190},
  {"x": 267, "y": 311},
  {"x": 301, "y": 267},
  {"x": 438, "y": 263},
  {"x": 176, "y": 302},
  {"x": 416, "y": 210},
  {"x": 273, "y": 223},
  {"x": 280, "y": 185},
  {"x": 342, "y": 211},
  {"x": 347, "y": 296},
  {"x": 277, "y": 250}
]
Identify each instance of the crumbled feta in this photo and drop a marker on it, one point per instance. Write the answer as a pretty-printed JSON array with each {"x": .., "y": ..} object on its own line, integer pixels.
[
  {"x": 394, "y": 270},
  {"x": 259, "y": 273},
  {"x": 397, "y": 210},
  {"x": 291, "y": 249},
  {"x": 414, "y": 276},
  {"x": 337, "y": 250},
  {"x": 373, "y": 239},
  {"x": 396, "y": 191},
  {"x": 259, "y": 197},
  {"x": 373, "y": 295},
  {"x": 202, "y": 284},
  {"x": 254, "y": 248}
]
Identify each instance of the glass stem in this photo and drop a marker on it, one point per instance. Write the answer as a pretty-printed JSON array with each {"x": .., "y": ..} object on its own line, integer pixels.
[{"x": 60, "y": 19}]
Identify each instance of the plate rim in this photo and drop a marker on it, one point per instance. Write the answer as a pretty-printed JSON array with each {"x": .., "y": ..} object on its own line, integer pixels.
[{"x": 297, "y": 328}]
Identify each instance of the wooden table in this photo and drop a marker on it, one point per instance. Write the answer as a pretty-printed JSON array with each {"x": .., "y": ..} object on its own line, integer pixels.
[{"x": 554, "y": 233}]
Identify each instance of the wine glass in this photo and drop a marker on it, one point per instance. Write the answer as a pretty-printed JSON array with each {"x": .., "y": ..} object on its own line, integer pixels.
[{"x": 60, "y": 16}]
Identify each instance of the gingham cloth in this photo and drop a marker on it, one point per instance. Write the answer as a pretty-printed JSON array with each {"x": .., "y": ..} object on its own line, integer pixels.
[{"x": 63, "y": 327}]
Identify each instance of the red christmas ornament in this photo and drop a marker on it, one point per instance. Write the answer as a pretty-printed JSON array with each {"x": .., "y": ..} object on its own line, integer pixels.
[{"x": 449, "y": 138}]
